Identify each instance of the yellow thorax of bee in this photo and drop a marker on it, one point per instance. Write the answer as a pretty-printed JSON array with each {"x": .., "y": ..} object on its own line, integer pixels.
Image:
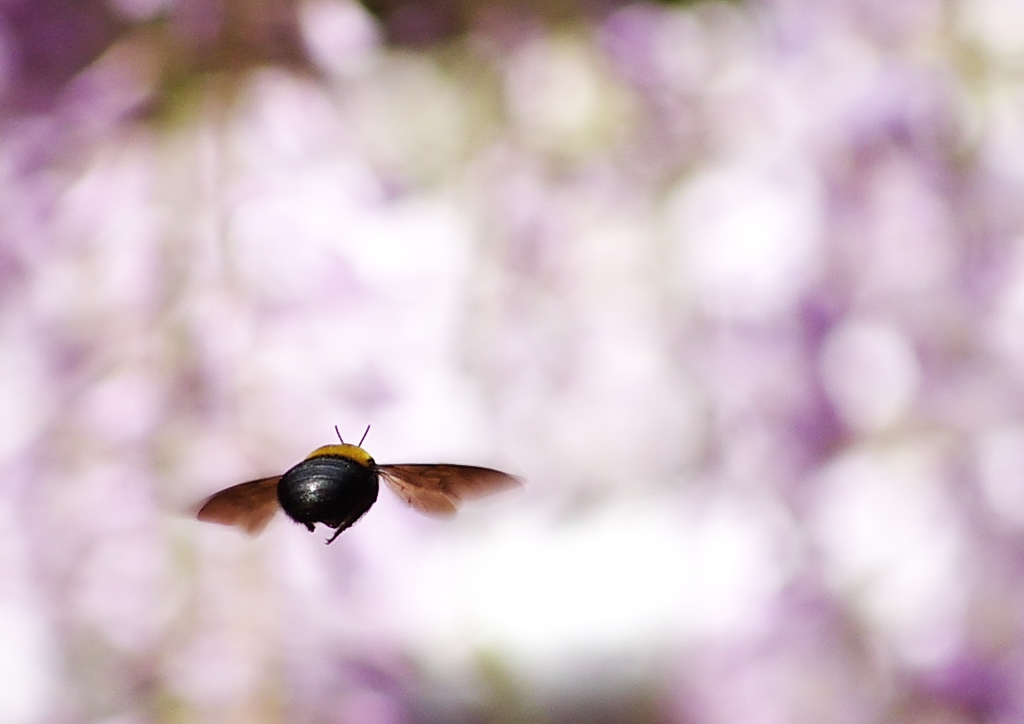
[{"x": 344, "y": 450}]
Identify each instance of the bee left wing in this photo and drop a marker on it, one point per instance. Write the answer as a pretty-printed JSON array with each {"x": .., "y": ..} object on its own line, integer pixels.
[
  {"x": 246, "y": 505},
  {"x": 439, "y": 489}
]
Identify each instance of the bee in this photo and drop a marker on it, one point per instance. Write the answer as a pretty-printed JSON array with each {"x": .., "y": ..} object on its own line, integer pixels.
[{"x": 336, "y": 485}]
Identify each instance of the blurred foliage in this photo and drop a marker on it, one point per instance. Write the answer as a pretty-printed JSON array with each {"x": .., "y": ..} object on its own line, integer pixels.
[
  {"x": 421, "y": 22},
  {"x": 50, "y": 42}
]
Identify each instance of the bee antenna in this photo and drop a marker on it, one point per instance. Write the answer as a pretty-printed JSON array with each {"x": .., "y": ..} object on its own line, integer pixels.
[
  {"x": 338, "y": 433},
  {"x": 365, "y": 433}
]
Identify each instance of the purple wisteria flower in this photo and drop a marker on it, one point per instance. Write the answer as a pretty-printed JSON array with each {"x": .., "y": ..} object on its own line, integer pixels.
[{"x": 736, "y": 287}]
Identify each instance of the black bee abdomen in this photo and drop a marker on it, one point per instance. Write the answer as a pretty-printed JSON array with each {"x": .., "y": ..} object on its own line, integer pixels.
[{"x": 328, "y": 489}]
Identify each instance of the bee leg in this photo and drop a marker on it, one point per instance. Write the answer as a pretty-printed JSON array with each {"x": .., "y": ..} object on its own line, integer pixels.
[
  {"x": 345, "y": 523},
  {"x": 310, "y": 527}
]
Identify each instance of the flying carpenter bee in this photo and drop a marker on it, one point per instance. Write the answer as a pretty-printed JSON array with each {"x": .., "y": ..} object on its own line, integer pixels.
[{"x": 336, "y": 484}]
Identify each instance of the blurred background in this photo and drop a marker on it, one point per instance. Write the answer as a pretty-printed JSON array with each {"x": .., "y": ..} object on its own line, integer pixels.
[{"x": 737, "y": 287}]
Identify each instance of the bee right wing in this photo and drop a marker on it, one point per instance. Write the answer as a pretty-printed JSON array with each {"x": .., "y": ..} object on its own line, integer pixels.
[
  {"x": 440, "y": 489},
  {"x": 247, "y": 505}
]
